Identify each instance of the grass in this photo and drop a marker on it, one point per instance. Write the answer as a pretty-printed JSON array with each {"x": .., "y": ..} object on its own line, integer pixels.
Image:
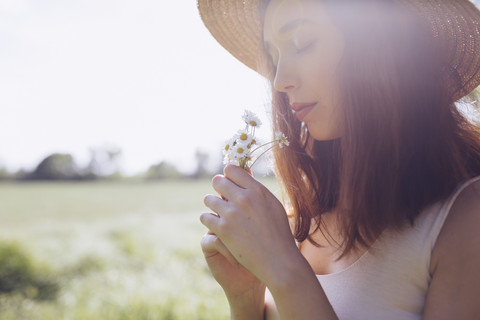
[{"x": 114, "y": 250}]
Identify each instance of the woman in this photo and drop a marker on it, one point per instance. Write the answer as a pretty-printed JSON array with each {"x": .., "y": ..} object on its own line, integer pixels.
[{"x": 381, "y": 177}]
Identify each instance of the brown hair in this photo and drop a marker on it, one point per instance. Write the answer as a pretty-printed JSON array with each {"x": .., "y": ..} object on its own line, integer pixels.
[{"x": 405, "y": 144}]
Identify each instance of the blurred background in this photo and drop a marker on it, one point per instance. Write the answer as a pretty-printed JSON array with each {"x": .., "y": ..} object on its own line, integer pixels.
[
  {"x": 113, "y": 116},
  {"x": 142, "y": 79},
  {"x": 113, "y": 119}
]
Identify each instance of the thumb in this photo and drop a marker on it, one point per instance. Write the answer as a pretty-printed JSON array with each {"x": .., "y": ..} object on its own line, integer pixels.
[{"x": 212, "y": 245}]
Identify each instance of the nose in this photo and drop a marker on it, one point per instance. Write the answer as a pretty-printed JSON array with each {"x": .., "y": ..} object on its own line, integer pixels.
[{"x": 286, "y": 79}]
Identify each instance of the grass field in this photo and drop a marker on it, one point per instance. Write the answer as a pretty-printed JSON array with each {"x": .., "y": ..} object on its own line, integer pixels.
[{"x": 107, "y": 250}]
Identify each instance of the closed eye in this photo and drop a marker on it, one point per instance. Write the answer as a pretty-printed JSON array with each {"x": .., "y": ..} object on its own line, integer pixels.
[{"x": 306, "y": 47}]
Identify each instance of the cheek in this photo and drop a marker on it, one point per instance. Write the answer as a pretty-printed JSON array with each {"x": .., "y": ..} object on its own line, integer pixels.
[
  {"x": 325, "y": 89},
  {"x": 326, "y": 62},
  {"x": 329, "y": 117},
  {"x": 321, "y": 70},
  {"x": 323, "y": 78},
  {"x": 325, "y": 57}
]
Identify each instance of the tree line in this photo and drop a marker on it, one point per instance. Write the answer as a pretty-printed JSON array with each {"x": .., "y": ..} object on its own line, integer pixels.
[{"x": 103, "y": 165}]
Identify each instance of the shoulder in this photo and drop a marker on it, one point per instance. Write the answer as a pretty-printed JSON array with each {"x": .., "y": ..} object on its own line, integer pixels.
[
  {"x": 461, "y": 226},
  {"x": 455, "y": 285},
  {"x": 463, "y": 216},
  {"x": 463, "y": 219},
  {"x": 469, "y": 198}
]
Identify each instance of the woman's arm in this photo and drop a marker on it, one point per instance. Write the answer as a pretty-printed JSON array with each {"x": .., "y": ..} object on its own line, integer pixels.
[
  {"x": 244, "y": 292},
  {"x": 297, "y": 294},
  {"x": 454, "y": 292}
]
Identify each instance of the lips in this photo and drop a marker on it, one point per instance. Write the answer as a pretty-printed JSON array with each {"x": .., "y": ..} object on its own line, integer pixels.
[{"x": 302, "y": 109}]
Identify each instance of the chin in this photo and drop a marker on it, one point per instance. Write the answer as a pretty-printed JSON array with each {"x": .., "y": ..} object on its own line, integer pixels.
[
  {"x": 322, "y": 130},
  {"x": 324, "y": 135}
]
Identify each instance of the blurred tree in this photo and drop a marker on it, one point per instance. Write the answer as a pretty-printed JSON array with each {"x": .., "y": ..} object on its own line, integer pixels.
[
  {"x": 103, "y": 162},
  {"x": 201, "y": 171},
  {"x": 57, "y": 166},
  {"x": 4, "y": 174},
  {"x": 19, "y": 175},
  {"x": 163, "y": 170},
  {"x": 116, "y": 175}
]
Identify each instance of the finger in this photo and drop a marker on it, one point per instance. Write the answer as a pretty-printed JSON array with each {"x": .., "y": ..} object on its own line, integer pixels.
[
  {"x": 211, "y": 221},
  {"x": 211, "y": 245},
  {"x": 225, "y": 187},
  {"x": 216, "y": 204},
  {"x": 239, "y": 176}
]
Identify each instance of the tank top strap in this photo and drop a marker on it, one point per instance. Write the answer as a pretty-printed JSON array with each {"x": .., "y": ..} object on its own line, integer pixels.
[{"x": 447, "y": 206}]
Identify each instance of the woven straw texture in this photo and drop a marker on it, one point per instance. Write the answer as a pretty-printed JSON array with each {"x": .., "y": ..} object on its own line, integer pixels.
[{"x": 237, "y": 26}]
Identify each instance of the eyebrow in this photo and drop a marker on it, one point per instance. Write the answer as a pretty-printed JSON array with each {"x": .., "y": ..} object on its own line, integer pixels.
[{"x": 290, "y": 26}]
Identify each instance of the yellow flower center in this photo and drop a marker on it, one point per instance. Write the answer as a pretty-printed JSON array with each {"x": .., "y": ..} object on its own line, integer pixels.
[
  {"x": 253, "y": 123},
  {"x": 227, "y": 147},
  {"x": 240, "y": 150},
  {"x": 243, "y": 136}
]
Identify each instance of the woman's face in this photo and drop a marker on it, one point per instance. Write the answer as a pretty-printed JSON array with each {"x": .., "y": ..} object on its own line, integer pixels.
[{"x": 306, "y": 48}]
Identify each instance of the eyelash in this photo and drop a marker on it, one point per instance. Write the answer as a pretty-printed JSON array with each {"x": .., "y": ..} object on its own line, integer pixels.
[
  {"x": 297, "y": 51},
  {"x": 304, "y": 48}
]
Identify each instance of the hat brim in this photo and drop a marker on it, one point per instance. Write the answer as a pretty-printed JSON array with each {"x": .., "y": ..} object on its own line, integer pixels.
[{"x": 237, "y": 26}]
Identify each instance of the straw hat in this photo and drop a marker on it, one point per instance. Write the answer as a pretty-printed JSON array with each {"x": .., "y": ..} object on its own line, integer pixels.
[{"x": 237, "y": 26}]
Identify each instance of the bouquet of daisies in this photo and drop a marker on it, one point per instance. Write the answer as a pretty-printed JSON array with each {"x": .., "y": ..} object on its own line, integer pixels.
[{"x": 241, "y": 147}]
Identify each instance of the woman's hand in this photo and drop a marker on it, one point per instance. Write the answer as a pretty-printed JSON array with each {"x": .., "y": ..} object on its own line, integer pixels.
[
  {"x": 252, "y": 229},
  {"x": 244, "y": 291},
  {"x": 251, "y": 225}
]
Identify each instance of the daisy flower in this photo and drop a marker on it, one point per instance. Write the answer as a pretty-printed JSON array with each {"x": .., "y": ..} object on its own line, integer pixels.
[
  {"x": 281, "y": 139},
  {"x": 244, "y": 137},
  {"x": 228, "y": 146},
  {"x": 228, "y": 157},
  {"x": 241, "y": 154},
  {"x": 251, "y": 119},
  {"x": 239, "y": 149}
]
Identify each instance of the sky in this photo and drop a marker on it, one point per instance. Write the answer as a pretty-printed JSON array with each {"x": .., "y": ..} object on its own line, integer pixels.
[{"x": 145, "y": 76}]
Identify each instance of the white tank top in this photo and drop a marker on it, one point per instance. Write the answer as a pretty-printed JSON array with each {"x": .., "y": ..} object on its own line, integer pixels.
[{"x": 391, "y": 279}]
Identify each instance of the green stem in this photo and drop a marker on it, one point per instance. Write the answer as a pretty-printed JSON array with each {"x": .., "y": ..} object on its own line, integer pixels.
[
  {"x": 263, "y": 145},
  {"x": 261, "y": 154},
  {"x": 243, "y": 163}
]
